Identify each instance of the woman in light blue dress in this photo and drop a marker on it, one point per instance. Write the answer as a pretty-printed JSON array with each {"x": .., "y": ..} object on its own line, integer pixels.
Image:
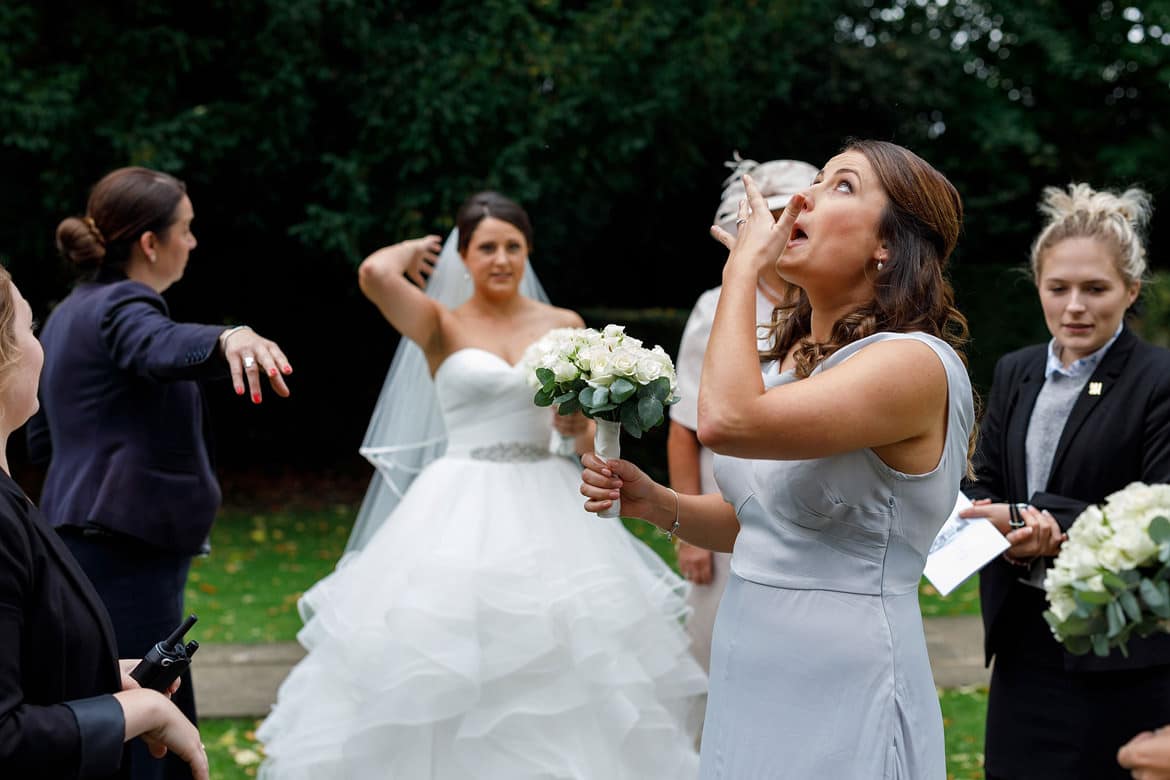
[{"x": 837, "y": 465}]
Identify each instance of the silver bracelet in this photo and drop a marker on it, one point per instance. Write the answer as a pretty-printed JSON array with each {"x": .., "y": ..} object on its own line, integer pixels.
[
  {"x": 228, "y": 333},
  {"x": 674, "y": 527}
]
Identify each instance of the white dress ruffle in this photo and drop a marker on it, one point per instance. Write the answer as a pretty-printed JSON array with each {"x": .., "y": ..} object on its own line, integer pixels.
[{"x": 491, "y": 628}]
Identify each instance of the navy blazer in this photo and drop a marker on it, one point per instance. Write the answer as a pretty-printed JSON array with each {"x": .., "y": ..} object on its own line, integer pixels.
[
  {"x": 58, "y": 663},
  {"x": 1119, "y": 435},
  {"x": 122, "y": 417}
]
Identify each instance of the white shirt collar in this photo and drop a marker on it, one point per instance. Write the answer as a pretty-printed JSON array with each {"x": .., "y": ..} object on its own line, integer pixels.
[{"x": 1078, "y": 368}]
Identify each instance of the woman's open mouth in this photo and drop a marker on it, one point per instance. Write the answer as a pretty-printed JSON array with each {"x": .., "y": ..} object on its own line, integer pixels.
[{"x": 798, "y": 236}]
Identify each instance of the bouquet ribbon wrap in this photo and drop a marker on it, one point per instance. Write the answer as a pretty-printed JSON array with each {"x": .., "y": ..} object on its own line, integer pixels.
[{"x": 607, "y": 445}]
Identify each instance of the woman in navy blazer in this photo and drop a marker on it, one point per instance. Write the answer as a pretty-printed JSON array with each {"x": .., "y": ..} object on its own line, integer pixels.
[
  {"x": 1068, "y": 423},
  {"x": 130, "y": 485},
  {"x": 66, "y": 707}
]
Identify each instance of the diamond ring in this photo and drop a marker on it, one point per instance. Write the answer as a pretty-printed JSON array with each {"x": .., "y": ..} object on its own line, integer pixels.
[
  {"x": 740, "y": 221},
  {"x": 249, "y": 361}
]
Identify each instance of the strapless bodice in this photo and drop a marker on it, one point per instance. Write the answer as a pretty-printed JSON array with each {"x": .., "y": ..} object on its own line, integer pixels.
[{"x": 488, "y": 407}]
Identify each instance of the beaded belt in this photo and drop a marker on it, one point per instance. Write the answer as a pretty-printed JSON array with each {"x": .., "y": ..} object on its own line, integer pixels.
[{"x": 511, "y": 452}]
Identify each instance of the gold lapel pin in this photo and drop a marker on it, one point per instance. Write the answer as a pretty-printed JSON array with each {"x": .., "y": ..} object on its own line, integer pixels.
[{"x": 1095, "y": 388}]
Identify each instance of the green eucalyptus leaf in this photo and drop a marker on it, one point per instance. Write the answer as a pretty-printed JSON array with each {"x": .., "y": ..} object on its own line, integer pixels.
[
  {"x": 546, "y": 377},
  {"x": 649, "y": 412},
  {"x": 1150, "y": 594},
  {"x": 569, "y": 407},
  {"x": 1130, "y": 604},
  {"x": 1116, "y": 618},
  {"x": 1113, "y": 582},
  {"x": 1160, "y": 530},
  {"x": 543, "y": 398},
  {"x": 564, "y": 398},
  {"x": 659, "y": 389},
  {"x": 629, "y": 418},
  {"x": 1077, "y": 645},
  {"x": 1092, "y": 596},
  {"x": 621, "y": 389},
  {"x": 1100, "y": 645},
  {"x": 585, "y": 396}
]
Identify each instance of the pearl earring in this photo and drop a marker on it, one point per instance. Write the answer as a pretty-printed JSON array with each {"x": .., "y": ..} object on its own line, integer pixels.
[{"x": 880, "y": 265}]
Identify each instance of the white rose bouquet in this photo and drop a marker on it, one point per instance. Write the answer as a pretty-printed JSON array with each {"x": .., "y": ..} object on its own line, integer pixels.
[
  {"x": 1110, "y": 580},
  {"x": 608, "y": 376}
]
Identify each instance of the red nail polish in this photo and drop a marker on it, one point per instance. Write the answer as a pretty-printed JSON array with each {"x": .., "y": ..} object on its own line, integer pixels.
[
  {"x": 239, "y": 391},
  {"x": 272, "y": 372},
  {"x": 287, "y": 369},
  {"x": 255, "y": 398}
]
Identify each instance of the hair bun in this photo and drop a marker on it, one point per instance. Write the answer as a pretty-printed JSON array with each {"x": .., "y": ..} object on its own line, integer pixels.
[
  {"x": 80, "y": 242},
  {"x": 1133, "y": 205},
  {"x": 1118, "y": 219}
]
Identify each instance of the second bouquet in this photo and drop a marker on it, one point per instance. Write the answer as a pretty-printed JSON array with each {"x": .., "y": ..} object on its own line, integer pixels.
[{"x": 609, "y": 377}]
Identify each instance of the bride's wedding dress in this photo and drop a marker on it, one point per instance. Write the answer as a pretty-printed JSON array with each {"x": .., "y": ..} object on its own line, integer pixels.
[{"x": 491, "y": 628}]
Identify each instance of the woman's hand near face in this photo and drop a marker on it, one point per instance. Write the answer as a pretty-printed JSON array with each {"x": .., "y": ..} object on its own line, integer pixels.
[
  {"x": 761, "y": 238},
  {"x": 422, "y": 254},
  {"x": 248, "y": 354}
]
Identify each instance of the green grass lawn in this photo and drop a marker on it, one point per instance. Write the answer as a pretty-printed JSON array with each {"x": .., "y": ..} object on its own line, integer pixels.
[{"x": 233, "y": 752}]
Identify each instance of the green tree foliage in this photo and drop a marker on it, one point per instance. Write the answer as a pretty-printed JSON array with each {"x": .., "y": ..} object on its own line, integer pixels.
[{"x": 312, "y": 131}]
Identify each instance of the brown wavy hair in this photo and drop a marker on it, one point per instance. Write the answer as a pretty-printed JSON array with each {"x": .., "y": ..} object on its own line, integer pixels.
[{"x": 920, "y": 227}]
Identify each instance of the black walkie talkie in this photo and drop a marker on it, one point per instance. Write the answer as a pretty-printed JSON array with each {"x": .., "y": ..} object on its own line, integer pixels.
[{"x": 164, "y": 662}]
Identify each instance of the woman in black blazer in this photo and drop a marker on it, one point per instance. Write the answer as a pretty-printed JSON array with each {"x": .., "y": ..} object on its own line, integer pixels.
[
  {"x": 1068, "y": 423},
  {"x": 130, "y": 485},
  {"x": 66, "y": 705}
]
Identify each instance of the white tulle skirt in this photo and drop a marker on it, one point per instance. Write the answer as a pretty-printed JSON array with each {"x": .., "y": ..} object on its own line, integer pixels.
[{"x": 491, "y": 629}]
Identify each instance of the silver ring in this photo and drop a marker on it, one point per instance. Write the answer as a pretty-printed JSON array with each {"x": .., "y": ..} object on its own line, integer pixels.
[
  {"x": 249, "y": 361},
  {"x": 740, "y": 221}
]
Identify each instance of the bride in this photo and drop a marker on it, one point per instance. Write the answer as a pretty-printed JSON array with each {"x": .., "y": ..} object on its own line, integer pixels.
[{"x": 487, "y": 626}]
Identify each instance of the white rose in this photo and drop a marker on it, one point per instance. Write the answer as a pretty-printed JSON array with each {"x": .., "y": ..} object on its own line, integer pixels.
[
  {"x": 624, "y": 362},
  {"x": 1112, "y": 558},
  {"x": 614, "y": 331},
  {"x": 600, "y": 370},
  {"x": 565, "y": 371},
  {"x": 1135, "y": 543},
  {"x": 589, "y": 354},
  {"x": 1063, "y": 605},
  {"x": 649, "y": 368}
]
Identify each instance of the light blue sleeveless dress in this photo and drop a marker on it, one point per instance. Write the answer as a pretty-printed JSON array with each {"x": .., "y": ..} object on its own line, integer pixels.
[{"x": 819, "y": 668}]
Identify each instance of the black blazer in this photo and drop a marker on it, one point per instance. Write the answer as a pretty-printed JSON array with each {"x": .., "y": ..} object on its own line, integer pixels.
[
  {"x": 122, "y": 418},
  {"x": 1111, "y": 439},
  {"x": 58, "y": 663}
]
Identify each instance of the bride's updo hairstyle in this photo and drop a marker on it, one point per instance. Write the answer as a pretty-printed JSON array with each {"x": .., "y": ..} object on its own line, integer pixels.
[
  {"x": 486, "y": 204},
  {"x": 122, "y": 206},
  {"x": 920, "y": 226},
  {"x": 1116, "y": 220}
]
